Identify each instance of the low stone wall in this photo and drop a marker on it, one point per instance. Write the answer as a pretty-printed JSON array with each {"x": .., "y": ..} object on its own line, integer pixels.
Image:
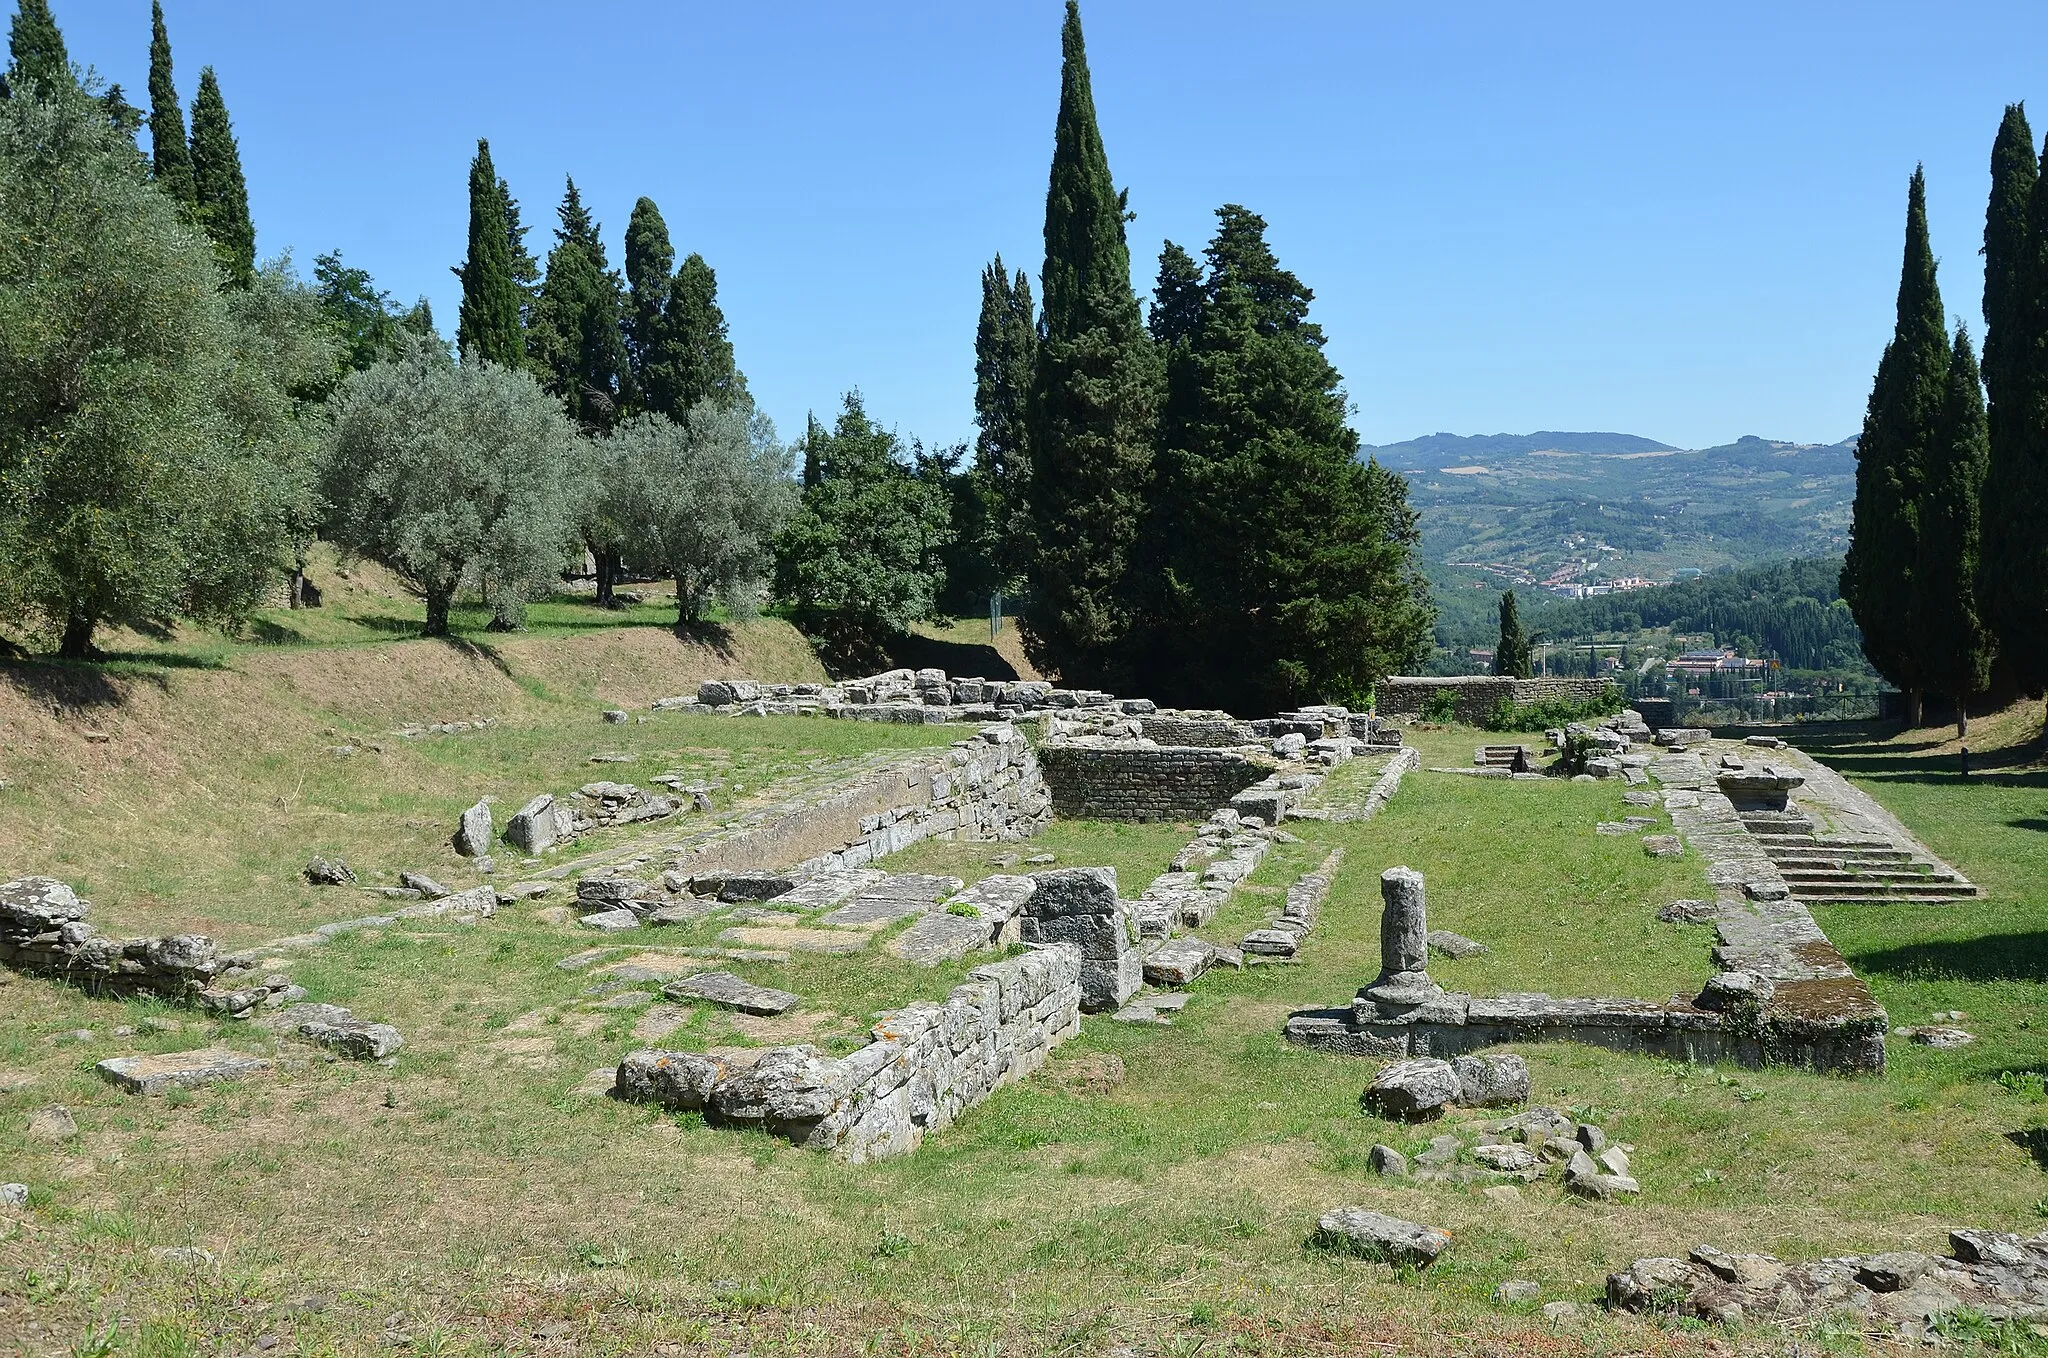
[
  {"x": 1125, "y": 782},
  {"x": 1405, "y": 697},
  {"x": 1213, "y": 729},
  {"x": 43, "y": 932},
  {"x": 988, "y": 787},
  {"x": 926, "y": 1065}
]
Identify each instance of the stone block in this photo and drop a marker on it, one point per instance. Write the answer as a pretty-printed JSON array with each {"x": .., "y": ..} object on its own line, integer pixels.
[
  {"x": 1409, "y": 1091},
  {"x": 156, "y": 1074},
  {"x": 1491, "y": 1081},
  {"x": 1375, "y": 1235},
  {"x": 1072, "y": 891}
]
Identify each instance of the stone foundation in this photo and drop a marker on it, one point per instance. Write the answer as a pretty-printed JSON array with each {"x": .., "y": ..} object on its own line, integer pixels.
[
  {"x": 43, "y": 932},
  {"x": 1406, "y": 697},
  {"x": 1127, "y": 782},
  {"x": 926, "y": 1065}
]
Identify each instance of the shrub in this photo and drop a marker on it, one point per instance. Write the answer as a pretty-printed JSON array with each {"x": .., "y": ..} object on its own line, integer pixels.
[
  {"x": 1442, "y": 707},
  {"x": 1509, "y": 715}
]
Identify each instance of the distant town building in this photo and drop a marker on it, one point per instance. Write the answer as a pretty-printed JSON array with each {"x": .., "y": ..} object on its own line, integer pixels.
[{"x": 1721, "y": 662}]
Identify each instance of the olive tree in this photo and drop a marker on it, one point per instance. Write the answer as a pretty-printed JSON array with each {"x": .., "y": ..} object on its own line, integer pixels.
[
  {"x": 700, "y": 500},
  {"x": 152, "y": 454},
  {"x": 451, "y": 475}
]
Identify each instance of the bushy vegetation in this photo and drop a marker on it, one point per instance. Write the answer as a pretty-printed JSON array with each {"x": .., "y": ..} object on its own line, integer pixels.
[{"x": 1546, "y": 713}]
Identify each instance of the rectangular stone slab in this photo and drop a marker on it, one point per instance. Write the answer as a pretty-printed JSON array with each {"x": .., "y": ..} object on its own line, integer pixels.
[
  {"x": 725, "y": 989},
  {"x": 179, "y": 1070},
  {"x": 892, "y": 899},
  {"x": 830, "y": 888},
  {"x": 795, "y": 940},
  {"x": 940, "y": 937}
]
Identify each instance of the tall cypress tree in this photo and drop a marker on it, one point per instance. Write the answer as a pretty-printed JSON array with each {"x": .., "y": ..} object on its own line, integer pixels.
[
  {"x": 1511, "y": 652},
  {"x": 219, "y": 189},
  {"x": 650, "y": 258},
  {"x": 1891, "y": 466},
  {"x": 170, "y": 157},
  {"x": 525, "y": 267},
  {"x": 1954, "y": 641},
  {"x": 1288, "y": 573},
  {"x": 1005, "y": 355},
  {"x": 488, "y": 325},
  {"x": 692, "y": 359},
  {"x": 35, "y": 49},
  {"x": 575, "y": 338},
  {"x": 1094, "y": 399},
  {"x": 2014, "y": 173},
  {"x": 2013, "y": 582}
]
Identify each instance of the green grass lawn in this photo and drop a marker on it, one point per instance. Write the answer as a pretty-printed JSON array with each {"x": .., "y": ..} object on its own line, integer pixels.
[{"x": 1152, "y": 1187}]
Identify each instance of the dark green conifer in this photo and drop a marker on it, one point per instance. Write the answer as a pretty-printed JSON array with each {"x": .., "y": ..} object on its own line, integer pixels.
[
  {"x": 1891, "y": 466},
  {"x": 575, "y": 337},
  {"x": 488, "y": 326},
  {"x": 525, "y": 267},
  {"x": 2013, "y": 175},
  {"x": 1953, "y": 639},
  {"x": 692, "y": 360},
  {"x": 220, "y": 190},
  {"x": 650, "y": 260},
  {"x": 126, "y": 118},
  {"x": 1511, "y": 652},
  {"x": 35, "y": 49},
  {"x": 170, "y": 158},
  {"x": 1005, "y": 358},
  {"x": 2013, "y": 577},
  {"x": 1176, "y": 297},
  {"x": 1094, "y": 399}
]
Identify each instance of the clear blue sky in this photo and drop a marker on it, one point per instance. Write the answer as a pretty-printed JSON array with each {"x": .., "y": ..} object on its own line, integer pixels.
[{"x": 1681, "y": 222}]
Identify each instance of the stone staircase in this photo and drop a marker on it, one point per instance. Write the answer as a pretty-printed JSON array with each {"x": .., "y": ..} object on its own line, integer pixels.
[
  {"x": 1852, "y": 869},
  {"x": 1519, "y": 757}
]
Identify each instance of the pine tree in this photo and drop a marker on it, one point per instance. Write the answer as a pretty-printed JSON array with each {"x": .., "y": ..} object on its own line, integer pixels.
[
  {"x": 1094, "y": 399},
  {"x": 222, "y": 194},
  {"x": 650, "y": 258},
  {"x": 170, "y": 157},
  {"x": 1891, "y": 466},
  {"x": 126, "y": 118},
  {"x": 2013, "y": 579},
  {"x": 1286, "y": 572},
  {"x": 692, "y": 359},
  {"x": 1005, "y": 355},
  {"x": 1955, "y": 644},
  {"x": 575, "y": 338},
  {"x": 1176, "y": 297},
  {"x": 488, "y": 327},
  {"x": 35, "y": 49},
  {"x": 1511, "y": 652}
]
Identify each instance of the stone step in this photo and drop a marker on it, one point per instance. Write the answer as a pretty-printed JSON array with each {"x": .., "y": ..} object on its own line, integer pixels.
[
  {"x": 1884, "y": 900},
  {"x": 1883, "y": 891},
  {"x": 1891, "y": 872}
]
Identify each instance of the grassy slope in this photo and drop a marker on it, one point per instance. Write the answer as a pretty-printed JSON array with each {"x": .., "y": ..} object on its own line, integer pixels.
[{"x": 1068, "y": 1213}]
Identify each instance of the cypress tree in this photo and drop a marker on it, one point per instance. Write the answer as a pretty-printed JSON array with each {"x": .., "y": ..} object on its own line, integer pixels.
[
  {"x": 692, "y": 360},
  {"x": 1891, "y": 466},
  {"x": 1005, "y": 354},
  {"x": 2013, "y": 176},
  {"x": 650, "y": 259},
  {"x": 1511, "y": 652},
  {"x": 575, "y": 339},
  {"x": 170, "y": 157},
  {"x": 1094, "y": 399},
  {"x": 35, "y": 49},
  {"x": 1176, "y": 297},
  {"x": 2013, "y": 580},
  {"x": 1956, "y": 645},
  {"x": 525, "y": 268},
  {"x": 488, "y": 325},
  {"x": 1287, "y": 572},
  {"x": 222, "y": 194}
]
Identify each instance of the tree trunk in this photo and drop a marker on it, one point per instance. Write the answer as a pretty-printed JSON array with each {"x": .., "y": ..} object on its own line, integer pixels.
[
  {"x": 607, "y": 575},
  {"x": 686, "y": 605},
  {"x": 1912, "y": 709},
  {"x": 297, "y": 588},
  {"x": 1962, "y": 719},
  {"x": 77, "y": 642},
  {"x": 437, "y": 613}
]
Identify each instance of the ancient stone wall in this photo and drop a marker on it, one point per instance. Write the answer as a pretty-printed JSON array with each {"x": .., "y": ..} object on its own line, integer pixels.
[
  {"x": 43, "y": 931},
  {"x": 1405, "y": 697},
  {"x": 1115, "y": 781},
  {"x": 927, "y": 1063}
]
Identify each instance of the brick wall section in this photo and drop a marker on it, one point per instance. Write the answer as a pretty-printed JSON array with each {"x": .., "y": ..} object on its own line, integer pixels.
[
  {"x": 1144, "y": 783},
  {"x": 1403, "y": 697}
]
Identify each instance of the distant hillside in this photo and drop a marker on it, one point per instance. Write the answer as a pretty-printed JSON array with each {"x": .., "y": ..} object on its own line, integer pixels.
[{"x": 1549, "y": 507}]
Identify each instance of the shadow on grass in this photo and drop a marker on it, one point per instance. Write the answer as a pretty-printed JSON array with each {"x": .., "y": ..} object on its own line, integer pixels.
[
  {"x": 2029, "y": 823},
  {"x": 1995, "y": 957},
  {"x": 715, "y": 637},
  {"x": 81, "y": 685},
  {"x": 978, "y": 659},
  {"x": 2034, "y": 1141}
]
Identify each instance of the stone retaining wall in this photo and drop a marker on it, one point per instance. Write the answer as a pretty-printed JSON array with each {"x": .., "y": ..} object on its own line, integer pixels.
[
  {"x": 43, "y": 932},
  {"x": 1124, "y": 782},
  {"x": 927, "y": 1064},
  {"x": 1405, "y": 697}
]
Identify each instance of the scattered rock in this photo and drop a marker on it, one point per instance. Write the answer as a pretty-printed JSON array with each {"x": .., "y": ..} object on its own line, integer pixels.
[
  {"x": 13, "y": 1195},
  {"x": 1375, "y": 1235},
  {"x": 1515, "y": 1291},
  {"x": 1508, "y": 1159},
  {"x": 1386, "y": 1161},
  {"x": 1492, "y": 1081},
  {"x": 1660, "y": 846},
  {"x": 52, "y": 1122},
  {"x": 1410, "y": 1091},
  {"x": 1688, "y": 912},
  {"x": 475, "y": 832},
  {"x": 155, "y": 1074},
  {"x": 1040, "y": 859},
  {"x": 611, "y": 921},
  {"x": 329, "y": 872},
  {"x": 1503, "y": 1195},
  {"x": 336, "y": 1029},
  {"x": 729, "y": 991},
  {"x": 617, "y": 717},
  {"x": 425, "y": 885},
  {"x": 1939, "y": 1037},
  {"x": 1448, "y": 944},
  {"x": 1562, "y": 1312},
  {"x": 70, "y": 1037}
]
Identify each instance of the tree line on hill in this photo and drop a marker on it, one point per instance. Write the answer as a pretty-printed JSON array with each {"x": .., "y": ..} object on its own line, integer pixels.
[
  {"x": 1176, "y": 493},
  {"x": 1947, "y": 570}
]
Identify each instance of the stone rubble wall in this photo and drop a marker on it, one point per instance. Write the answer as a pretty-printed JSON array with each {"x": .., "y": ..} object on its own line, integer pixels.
[
  {"x": 1404, "y": 697},
  {"x": 915, "y": 697},
  {"x": 928, "y": 1063},
  {"x": 1132, "y": 782},
  {"x": 43, "y": 932}
]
